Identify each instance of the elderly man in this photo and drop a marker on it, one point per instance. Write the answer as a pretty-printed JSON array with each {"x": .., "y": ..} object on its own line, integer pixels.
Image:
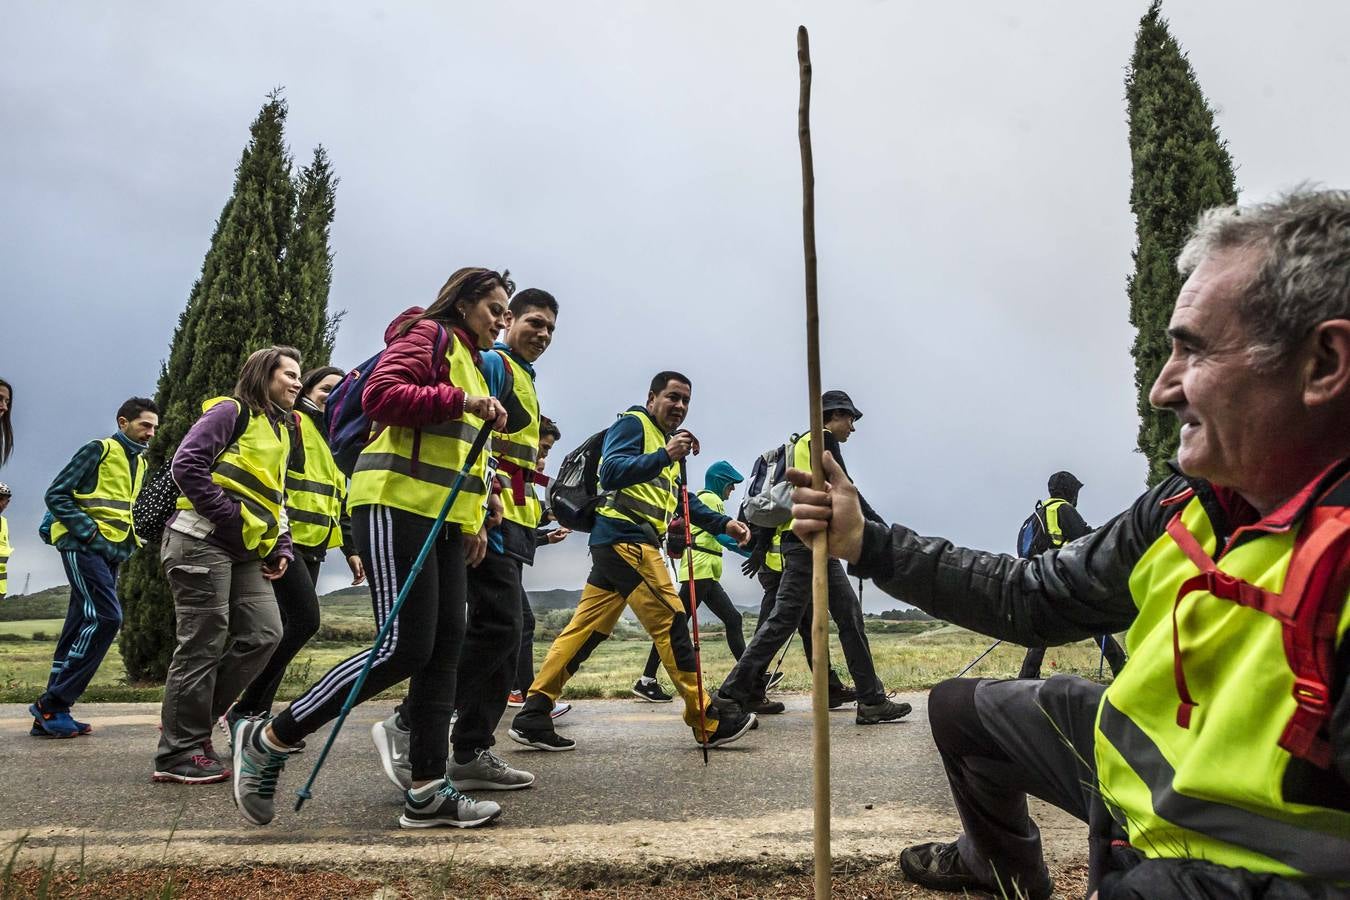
[{"x": 1218, "y": 762}]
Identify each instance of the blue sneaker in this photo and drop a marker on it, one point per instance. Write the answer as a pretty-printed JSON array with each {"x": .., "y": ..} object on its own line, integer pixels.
[{"x": 54, "y": 724}]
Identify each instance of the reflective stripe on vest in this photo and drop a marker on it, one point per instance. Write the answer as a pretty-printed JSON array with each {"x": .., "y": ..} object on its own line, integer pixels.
[
  {"x": 314, "y": 496},
  {"x": 1209, "y": 784},
  {"x": 109, "y": 503},
  {"x": 5, "y": 551},
  {"x": 519, "y": 452},
  {"x": 1051, "y": 509},
  {"x": 413, "y": 468},
  {"x": 651, "y": 502},
  {"x": 707, "y": 551},
  {"x": 252, "y": 471}
]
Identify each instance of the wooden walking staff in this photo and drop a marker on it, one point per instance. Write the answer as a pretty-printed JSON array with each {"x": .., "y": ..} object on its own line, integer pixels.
[{"x": 820, "y": 559}]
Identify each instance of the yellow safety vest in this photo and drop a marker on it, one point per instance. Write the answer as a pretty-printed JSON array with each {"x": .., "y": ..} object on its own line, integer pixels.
[
  {"x": 413, "y": 469},
  {"x": 109, "y": 503},
  {"x": 314, "y": 497},
  {"x": 5, "y": 551},
  {"x": 801, "y": 459},
  {"x": 773, "y": 560},
  {"x": 252, "y": 470},
  {"x": 1207, "y": 781},
  {"x": 707, "y": 551},
  {"x": 651, "y": 502},
  {"x": 1051, "y": 509},
  {"x": 518, "y": 454}
]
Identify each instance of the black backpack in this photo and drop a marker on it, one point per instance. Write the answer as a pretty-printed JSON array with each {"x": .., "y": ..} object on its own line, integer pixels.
[{"x": 574, "y": 493}]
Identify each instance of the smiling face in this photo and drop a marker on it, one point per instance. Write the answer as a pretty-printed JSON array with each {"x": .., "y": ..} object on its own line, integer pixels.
[
  {"x": 670, "y": 405},
  {"x": 530, "y": 333},
  {"x": 284, "y": 385},
  {"x": 486, "y": 317},
  {"x": 318, "y": 395}
]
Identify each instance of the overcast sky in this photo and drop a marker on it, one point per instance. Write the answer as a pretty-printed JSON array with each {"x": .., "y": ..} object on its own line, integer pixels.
[{"x": 640, "y": 161}]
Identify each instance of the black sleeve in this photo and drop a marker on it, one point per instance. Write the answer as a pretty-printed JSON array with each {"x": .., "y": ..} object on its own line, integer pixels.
[
  {"x": 1071, "y": 523},
  {"x": 835, "y": 449}
]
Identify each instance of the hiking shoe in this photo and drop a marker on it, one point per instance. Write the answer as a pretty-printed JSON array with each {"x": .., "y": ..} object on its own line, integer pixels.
[
  {"x": 209, "y": 750},
  {"x": 487, "y": 772},
  {"x": 82, "y": 727},
  {"x": 255, "y": 772},
  {"x": 226, "y": 725},
  {"x": 731, "y": 727},
  {"x": 445, "y": 806},
  {"x": 841, "y": 695},
  {"x": 196, "y": 769},
  {"x": 763, "y": 706},
  {"x": 541, "y": 739},
  {"x": 650, "y": 690},
  {"x": 53, "y": 724},
  {"x": 885, "y": 711},
  {"x": 559, "y": 710},
  {"x": 515, "y": 699},
  {"x": 774, "y": 679},
  {"x": 391, "y": 742},
  {"x": 940, "y": 867}
]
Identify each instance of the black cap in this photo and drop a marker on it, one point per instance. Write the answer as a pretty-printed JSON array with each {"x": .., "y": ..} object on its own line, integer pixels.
[
  {"x": 832, "y": 400},
  {"x": 1061, "y": 484}
]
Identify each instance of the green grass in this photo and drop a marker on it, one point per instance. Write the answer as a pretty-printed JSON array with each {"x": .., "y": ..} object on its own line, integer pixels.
[
  {"x": 29, "y": 627},
  {"x": 908, "y": 656}
]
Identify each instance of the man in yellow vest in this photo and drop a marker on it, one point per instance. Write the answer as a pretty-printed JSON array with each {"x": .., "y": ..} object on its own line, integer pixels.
[
  {"x": 5, "y": 548},
  {"x": 1218, "y": 762},
  {"x": 90, "y": 507},
  {"x": 639, "y": 473}
]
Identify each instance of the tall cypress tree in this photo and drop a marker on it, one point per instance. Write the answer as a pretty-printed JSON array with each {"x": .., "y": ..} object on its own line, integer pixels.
[
  {"x": 309, "y": 262},
  {"x": 1181, "y": 168},
  {"x": 244, "y": 299}
]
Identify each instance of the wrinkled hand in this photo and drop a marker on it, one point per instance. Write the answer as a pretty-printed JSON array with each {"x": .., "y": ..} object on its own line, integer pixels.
[
  {"x": 274, "y": 569},
  {"x": 834, "y": 511},
  {"x": 739, "y": 531},
  {"x": 556, "y": 535},
  {"x": 680, "y": 445},
  {"x": 475, "y": 547},
  {"x": 489, "y": 409},
  {"x": 358, "y": 569}
]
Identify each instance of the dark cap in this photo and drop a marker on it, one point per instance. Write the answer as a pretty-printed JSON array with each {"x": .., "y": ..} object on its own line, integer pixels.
[
  {"x": 832, "y": 400},
  {"x": 1062, "y": 484}
]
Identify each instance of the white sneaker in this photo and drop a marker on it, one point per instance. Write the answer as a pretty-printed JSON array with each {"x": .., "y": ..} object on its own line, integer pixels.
[
  {"x": 487, "y": 772},
  {"x": 559, "y": 710},
  {"x": 391, "y": 742}
]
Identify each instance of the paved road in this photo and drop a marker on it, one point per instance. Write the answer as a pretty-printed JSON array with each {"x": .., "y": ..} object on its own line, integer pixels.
[{"x": 633, "y": 797}]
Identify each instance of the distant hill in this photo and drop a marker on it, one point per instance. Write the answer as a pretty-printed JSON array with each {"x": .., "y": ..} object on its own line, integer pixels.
[
  {"x": 356, "y": 600},
  {"x": 50, "y": 603}
]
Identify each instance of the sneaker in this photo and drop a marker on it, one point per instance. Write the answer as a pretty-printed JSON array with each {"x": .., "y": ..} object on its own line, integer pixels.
[
  {"x": 296, "y": 748},
  {"x": 774, "y": 679},
  {"x": 38, "y": 731},
  {"x": 763, "y": 706},
  {"x": 53, "y": 724},
  {"x": 208, "y": 749},
  {"x": 446, "y": 806},
  {"x": 731, "y": 727},
  {"x": 82, "y": 727},
  {"x": 255, "y": 773},
  {"x": 650, "y": 690},
  {"x": 226, "y": 725},
  {"x": 541, "y": 739},
  {"x": 487, "y": 772},
  {"x": 559, "y": 710},
  {"x": 940, "y": 867},
  {"x": 196, "y": 769},
  {"x": 391, "y": 742},
  {"x": 515, "y": 699},
  {"x": 885, "y": 711},
  {"x": 841, "y": 695}
]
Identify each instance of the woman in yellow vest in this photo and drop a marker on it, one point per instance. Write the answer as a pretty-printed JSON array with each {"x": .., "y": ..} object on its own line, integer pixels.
[
  {"x": 316, "y": 509},
  {"x": 5, "y": 548},
  {"x": 222, "y": 550},
  {"x": 429, "y": 400}
]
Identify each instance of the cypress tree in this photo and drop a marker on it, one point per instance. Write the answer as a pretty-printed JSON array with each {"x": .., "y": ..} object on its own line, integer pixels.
[
  {"x": 1180, "y": 168},
  {"x": 244, "y": 299}
]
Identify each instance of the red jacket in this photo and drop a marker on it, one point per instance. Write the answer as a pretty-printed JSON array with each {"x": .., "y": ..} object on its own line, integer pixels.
[{"x": 410, "y": 385}]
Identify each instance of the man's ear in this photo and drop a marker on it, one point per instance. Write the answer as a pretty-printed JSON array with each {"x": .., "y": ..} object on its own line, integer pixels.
[{"x": 1328, "y": 372}]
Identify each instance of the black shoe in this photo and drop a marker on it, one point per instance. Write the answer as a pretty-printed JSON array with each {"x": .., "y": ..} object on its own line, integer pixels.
[
  {"x": 940, "y": 867},
  {"x": 542, "y": 739},
  {"x": 763, "y": 706},
  {"x": 885, "y": 711},
  {"x": 650, "y": 690},
  {"x": 729, "y": 728},
  {"x": 841, "y": 695}
]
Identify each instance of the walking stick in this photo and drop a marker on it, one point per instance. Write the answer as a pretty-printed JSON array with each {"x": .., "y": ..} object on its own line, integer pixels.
[
  {"x": 693, "y": 609},
  {"x": 978, "y": 658},
  {"x": 778, "y": 665},
  {"x": 477, "y": 448},
  {"x": 1101, "y": 661},
  {"x": 820, "y": 559}
]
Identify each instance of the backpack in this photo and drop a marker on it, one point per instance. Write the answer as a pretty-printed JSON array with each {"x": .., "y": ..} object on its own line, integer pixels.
[
  {"x": 574, "y": 494},
  {"x": 1033, "y": 538},
  {"x": 345, "y": 422},
  {"x": 768, "y": 494}
]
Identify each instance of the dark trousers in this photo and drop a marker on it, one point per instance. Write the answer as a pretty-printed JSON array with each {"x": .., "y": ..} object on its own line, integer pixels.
[
  {"x": 789, "y": 609},
  {"x": 299, "y": 606},
  {"x": 92, "y": 620},
  {"x": 487, "y": 662},
  {"x": 422, "y": 645},
  {"x": 1115, "y": 657},
  {"x": 1003, "y": 740},
  {"x": 712, "y": 597},
  {"x": 525, "y": 655},
  {"x": 769, "y": 580}
]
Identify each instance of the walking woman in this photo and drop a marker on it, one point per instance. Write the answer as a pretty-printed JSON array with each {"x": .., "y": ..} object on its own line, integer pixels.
[
  {"x": 221, "y": 551},
  {"x": 429, "y": 400},
  {"x": 6, "y": 427},
  {"x": 316, "y": 494}
]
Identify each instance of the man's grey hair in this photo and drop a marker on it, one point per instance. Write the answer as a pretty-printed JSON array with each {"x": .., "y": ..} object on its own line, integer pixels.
[{"x": 1303, "y": 268}]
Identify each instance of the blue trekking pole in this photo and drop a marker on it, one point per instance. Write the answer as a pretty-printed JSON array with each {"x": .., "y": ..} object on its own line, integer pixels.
[{"x": 484, "y": 433}]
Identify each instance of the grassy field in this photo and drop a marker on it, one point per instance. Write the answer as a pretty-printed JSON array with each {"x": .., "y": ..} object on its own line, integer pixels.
[{"x": 909, "y": 656}]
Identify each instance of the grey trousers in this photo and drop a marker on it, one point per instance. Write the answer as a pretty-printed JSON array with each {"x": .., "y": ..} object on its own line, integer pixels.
[{"x": 227, "y": 626}]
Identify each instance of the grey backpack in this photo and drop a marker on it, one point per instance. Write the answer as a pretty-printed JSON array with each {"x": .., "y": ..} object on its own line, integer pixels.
[{"x": 768, "y": 495}]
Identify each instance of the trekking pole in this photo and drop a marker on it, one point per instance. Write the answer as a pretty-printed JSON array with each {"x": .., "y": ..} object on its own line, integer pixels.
[
  {"x": 782, "y": 656},
  {"x": 484, "y": 433},
  {"x": 1101, "y": 661},
  {"x": 820, "y": 559},
  {"x": 978, "y": 658},
  {"x": 693, "y": 609}
]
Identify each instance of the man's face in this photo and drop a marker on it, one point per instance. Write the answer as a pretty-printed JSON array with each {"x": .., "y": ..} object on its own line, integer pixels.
[
  {"x": 530, "y": 333},
  {"x": 670, "y": 405},
  {"x": 140, "y": 429},
  {"x": 841, "y": 426},
  {"x": 1236, "y": 421}
]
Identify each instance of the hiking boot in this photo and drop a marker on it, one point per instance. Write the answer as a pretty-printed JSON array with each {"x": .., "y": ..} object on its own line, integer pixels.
[
  {"x": 515, "y": 699},
  {"x": 487, "y": 772},
  {"x": 940, "y": 867},
  {"x": 256, "y": 770},
  {"x": 440, "y": 804},
  {"x": 763, "y": 706},
  {"x": 731, "y": 727},
  {"x": 841, "y": 695},
  {"x": 559, "y": 710},
  {"x": 774, "y": 679},
  {"x": 53, "y": 723},
  {"x": 885, "y": 711},
  {"x": 391, "y": 742},
  {"x": 650, "y": 690},
  {"x": 541, "y": 739},
  {"x": 196, "y": 769}
]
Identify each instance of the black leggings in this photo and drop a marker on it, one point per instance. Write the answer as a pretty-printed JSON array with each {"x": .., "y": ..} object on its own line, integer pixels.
[
  {"x": 422, "y": 645},
  {"x": 713, "y": 597},
  {"x": 299, "y": 605}
]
